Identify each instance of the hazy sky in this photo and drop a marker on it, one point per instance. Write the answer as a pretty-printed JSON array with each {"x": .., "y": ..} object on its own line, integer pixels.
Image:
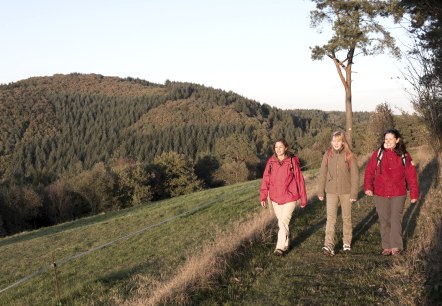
[{"x": 256, "y": 48}]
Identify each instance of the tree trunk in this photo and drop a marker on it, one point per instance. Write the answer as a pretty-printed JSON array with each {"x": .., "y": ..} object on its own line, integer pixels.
[
  {"x": 348, "y": 107},
  {"x": 346, "y": 82}
]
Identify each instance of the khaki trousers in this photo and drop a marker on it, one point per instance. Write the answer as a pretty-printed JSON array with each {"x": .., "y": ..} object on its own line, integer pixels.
[
  {"x": 390, "y": 220},
  {"x": 333, "y": 202},
  {"x": 284, "y": 214}
]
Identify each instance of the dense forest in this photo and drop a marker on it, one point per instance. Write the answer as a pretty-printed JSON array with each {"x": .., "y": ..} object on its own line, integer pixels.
[{"x": 74, "y": 145}]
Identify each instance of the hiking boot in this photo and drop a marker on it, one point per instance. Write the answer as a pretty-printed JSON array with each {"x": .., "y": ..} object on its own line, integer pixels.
[
  {"x": 278, "y": 252},
  {"x": 386, "y": 252},
  {"x": 327, "y": 251},
  {"x": 346, "y": 248}
]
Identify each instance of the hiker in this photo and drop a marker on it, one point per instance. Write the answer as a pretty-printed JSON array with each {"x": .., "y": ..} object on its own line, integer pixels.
[
  {"x": 283, "y": 184},
  {"x": 389, "y": 171},
  {"x": 339, "y": 180}
]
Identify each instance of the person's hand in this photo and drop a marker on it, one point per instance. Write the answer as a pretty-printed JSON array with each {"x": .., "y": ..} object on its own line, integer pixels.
[
  {"x": 303, "y": 205},
  {"x": 369, "y": 193},
  {"x": 321, "y": 198},
  {"x": 352, "y": 200},
  {"x": 264, "y": 204},
  {"x": 412, "y": 201}
]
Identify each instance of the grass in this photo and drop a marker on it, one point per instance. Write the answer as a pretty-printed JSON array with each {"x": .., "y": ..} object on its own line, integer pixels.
[
  {"x": 200, "y": 268},
  {"x": 221, "y": 254},
  {"x": 416, "y": 279},
  {"x": 98, "y": 277},
  {"x": 253, "y": 276},
  {"x": 304, "y": 275}
]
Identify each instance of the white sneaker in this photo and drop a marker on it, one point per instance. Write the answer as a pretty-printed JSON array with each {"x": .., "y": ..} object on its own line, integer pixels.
[
  {"x": 327, "y": 251},
  {"x": 346, "y": 248}
]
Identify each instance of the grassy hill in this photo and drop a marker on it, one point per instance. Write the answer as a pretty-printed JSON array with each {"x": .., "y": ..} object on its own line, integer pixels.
[
  {"x": 125, "y": 257},
  {"x": 171, "y": 232}
]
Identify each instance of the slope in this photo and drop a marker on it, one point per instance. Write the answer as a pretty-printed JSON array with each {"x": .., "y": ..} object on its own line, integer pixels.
[{"x": 99, "y": 257}]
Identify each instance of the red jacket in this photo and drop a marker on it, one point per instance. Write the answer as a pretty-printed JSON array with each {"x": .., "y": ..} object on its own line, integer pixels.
[
  {"x": 282, "y": 182},
  {"x": 389, "y": 178}
]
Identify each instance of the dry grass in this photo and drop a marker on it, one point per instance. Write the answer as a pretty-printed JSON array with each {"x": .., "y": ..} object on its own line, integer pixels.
[
  {"x": 198, "y": 270},
  {"x": 416, "y": 277},
  {"x": 408, "y": 275}
]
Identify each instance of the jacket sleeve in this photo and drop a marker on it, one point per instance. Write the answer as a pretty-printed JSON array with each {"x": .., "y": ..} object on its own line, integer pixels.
[
  {"x": 300, "y": 181},
  {"x": 411, "y": 177},
  {"x": 370, "y": 172},
  {"x": 264, "y": 190},
  {"x": 354, "y": 176},
  {"x": 322, "y": 176}
]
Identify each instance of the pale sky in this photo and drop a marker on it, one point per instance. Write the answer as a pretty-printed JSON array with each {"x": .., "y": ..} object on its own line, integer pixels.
[{"x": 256, "y": 48}]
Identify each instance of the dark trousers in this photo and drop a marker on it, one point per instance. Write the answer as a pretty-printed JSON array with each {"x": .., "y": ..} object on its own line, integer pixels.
[{"x": 390, "y": 219}]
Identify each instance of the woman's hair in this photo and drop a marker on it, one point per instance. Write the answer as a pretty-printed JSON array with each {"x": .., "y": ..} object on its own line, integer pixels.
[
  {"x": 283, "y": 141},
  {"x": 341, "y": 136},
  {"x": 400, "y": 146}
]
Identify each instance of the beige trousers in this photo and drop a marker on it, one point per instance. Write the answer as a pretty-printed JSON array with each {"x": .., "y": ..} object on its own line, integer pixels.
[
  {"x": 284, "y": 214},
  {"x": 390, "y": 220},
  {"x": 333, "y": 202}
]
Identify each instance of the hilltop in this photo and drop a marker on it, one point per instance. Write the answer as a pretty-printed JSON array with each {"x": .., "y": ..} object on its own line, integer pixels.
[{"x": 51, "y": 124}]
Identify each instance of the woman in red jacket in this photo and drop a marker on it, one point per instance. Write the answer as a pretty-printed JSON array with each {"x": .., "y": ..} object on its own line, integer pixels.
[
  {"x": 283, "y": 184},
  {"x": 389, "y": 171}
]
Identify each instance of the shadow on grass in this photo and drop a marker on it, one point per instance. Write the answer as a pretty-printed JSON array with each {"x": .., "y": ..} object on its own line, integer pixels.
[
  {"x": 367, "y": 222},
  {"x": 302, "y": 218},
  {"x": 362, "y": 228},
  {"x": 252, "y": 257},
  {"x": 433, "y": 283},
  {"x": 429, "y": 176}
]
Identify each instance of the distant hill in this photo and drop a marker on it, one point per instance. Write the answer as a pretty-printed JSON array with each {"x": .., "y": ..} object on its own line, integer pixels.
[
  {"x": 51, "y": 124},
  {"x": 77, "y": 145}
]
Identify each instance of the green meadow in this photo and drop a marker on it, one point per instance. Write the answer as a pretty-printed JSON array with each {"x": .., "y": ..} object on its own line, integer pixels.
[{"x": 162, "y": 236}]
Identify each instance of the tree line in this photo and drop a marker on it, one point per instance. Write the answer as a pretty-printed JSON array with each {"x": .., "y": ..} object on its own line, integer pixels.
[{"x": 78, "y": 145}]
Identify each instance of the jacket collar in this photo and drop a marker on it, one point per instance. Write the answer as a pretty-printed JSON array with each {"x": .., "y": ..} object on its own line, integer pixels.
[{"x": 275, "y": 159}]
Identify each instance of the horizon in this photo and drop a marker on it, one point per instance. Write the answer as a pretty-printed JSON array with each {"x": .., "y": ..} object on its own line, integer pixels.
[
  {"x": 253, "y": 48},
  {"x": 395, "y": 111}
]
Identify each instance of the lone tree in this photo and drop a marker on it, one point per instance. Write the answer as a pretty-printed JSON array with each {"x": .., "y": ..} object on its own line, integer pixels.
[{"x": 356, "y": 26}]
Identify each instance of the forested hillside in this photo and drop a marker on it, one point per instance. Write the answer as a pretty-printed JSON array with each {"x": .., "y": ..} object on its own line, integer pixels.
[{"x": 73, "y": 145}]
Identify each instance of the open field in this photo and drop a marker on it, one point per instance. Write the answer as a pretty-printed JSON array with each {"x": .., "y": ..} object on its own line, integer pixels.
[{"x": 171, "y": 232}]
